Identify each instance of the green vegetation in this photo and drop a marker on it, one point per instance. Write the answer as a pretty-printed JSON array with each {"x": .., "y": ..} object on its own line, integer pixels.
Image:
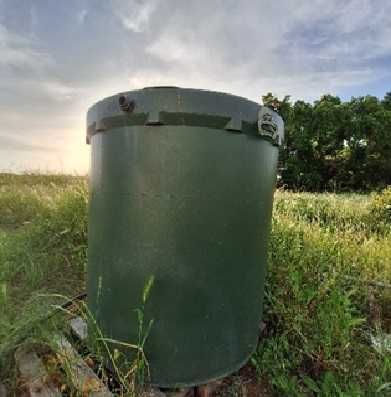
[
  {"x": 335, "y": 145},
  {"x": 42, "y": 251},
  {"x": 328, "y": 295}
]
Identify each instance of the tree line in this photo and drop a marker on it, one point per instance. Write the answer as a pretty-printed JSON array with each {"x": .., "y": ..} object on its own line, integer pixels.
[{"x": 334, "y": 145}]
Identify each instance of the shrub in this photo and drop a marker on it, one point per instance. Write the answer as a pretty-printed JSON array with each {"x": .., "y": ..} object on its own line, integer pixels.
[{"x": 380, "y": 209}]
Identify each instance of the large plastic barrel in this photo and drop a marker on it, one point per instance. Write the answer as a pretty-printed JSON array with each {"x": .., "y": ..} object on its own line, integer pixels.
[{"x": 181, "y": 190}]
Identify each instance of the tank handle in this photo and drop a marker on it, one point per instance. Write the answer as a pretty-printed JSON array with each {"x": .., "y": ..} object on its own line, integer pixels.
[{"x": 271, "y": 125}]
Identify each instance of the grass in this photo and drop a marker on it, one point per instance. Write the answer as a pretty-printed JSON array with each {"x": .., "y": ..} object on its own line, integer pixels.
[
  {"x": 328, "y": 293},
  {"x": 327, "y": 300},
  {"x": 42, "y": 251}
]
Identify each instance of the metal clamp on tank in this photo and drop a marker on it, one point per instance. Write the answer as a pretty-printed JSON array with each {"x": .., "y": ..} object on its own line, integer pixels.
[{"x": 271, "y": 125}]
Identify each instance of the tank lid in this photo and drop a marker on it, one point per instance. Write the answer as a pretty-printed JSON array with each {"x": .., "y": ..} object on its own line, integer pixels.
[
  {"x": 167, "y": 105},
  {"x": 160, "y": 87}
]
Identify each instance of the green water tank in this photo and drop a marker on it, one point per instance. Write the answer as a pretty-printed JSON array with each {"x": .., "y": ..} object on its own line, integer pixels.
[{"x": 181, "y": 190}]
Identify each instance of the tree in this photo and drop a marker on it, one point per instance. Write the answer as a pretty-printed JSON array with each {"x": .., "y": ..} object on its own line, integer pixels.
[
  {"x": 335, "y": 145},
  {"x": 387, "y": 101}
]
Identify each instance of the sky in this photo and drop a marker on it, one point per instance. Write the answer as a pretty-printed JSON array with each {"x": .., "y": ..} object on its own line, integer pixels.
[{"x": 57, "y": 58}]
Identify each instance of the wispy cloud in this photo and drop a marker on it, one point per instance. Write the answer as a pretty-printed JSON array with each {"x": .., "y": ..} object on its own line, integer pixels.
[
  {"x": 81, "y": 16},
  {"x": 19, "y": 52},
  {"x": 134, "y": 14}
]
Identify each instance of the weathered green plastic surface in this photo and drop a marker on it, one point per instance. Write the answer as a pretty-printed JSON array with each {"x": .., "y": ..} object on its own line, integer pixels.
[{"x": 188, "y": 200}]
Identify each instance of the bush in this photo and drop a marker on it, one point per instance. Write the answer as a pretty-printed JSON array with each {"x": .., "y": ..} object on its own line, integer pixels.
[{"x": 380, "y": 209}]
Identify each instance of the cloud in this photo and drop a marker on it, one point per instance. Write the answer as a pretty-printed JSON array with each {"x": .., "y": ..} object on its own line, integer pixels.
[
  {"x": 134, "y": 14},
  {"x": 348, "y": 35},
  {"x": 58, "y": 58},
  {"x": 19, "y": 52},
  {"x": 81, "y": 16},
  {"x": 8, "y": 143},
  {"x": 24, "y": 65}
]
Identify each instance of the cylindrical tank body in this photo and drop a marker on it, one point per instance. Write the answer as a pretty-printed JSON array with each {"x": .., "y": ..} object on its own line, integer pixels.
[{"x": 181, "y": 190}]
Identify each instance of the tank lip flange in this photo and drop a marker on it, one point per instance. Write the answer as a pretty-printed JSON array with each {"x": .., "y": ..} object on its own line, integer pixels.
[{"x": 174, "y": 106}]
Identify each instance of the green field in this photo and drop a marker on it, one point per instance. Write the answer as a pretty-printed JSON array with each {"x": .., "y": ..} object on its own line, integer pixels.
[{"x": 327, "y": 321}]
